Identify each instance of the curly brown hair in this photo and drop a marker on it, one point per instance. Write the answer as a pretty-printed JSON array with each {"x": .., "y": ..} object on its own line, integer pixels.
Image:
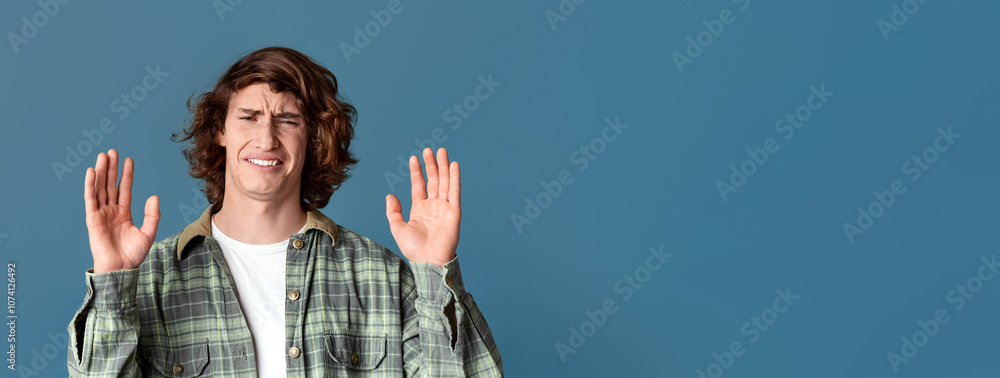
[{"x": 329, "y": 117}]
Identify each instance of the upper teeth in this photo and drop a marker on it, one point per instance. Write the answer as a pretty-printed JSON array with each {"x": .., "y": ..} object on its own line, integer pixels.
[{"x": 263, "y": 162}]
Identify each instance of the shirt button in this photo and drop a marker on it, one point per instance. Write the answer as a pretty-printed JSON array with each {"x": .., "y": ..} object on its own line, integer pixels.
[
  {"x": 178, "y": 369},
  {"x": 294, "y": 352},
  {"x": 297, "y": 243},
  {"x": 355, "y": 358},
  {"x": 449, "y": 281},
  {"x": 293, "y": 295}
]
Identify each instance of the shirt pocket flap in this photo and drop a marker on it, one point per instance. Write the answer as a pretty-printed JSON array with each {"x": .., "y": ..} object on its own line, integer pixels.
[
  {"x": 355, "y": 351},
  {"x": 180, "y": 361}
]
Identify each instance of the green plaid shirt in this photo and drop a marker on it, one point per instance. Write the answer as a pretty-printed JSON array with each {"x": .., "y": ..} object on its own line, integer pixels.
[{"x": 354, "y": 309}]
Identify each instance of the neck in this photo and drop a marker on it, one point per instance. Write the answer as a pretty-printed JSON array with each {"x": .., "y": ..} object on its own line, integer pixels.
[{"x": 260, "y": 222}]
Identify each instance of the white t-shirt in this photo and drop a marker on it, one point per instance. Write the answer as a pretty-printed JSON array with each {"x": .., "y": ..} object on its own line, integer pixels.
[{"x": 259, "y": 273}]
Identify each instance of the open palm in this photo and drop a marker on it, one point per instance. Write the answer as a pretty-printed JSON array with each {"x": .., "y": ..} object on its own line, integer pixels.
[
  {"x": 431, "y": 235},
  {"x": 115, "y": 242}
]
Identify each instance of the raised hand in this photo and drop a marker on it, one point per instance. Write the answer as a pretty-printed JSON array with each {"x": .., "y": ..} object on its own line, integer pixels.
[
  {"x": 115, "y": 242},
  {"x": 431, "y": 235}
]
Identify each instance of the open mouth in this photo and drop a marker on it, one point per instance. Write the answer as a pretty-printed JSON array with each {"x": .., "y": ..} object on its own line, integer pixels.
[{"x": 264, "y": 163}]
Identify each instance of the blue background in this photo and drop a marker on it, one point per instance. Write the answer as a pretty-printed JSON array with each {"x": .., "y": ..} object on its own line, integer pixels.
[{"x": 655, "y": 185}]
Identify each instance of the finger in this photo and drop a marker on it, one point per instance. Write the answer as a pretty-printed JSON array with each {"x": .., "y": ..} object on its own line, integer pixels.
[
  {"x": 125, "y": 188},
  {"x": 455, "y": 186},
  {"x": 393, "y": 212},
  {"x": 112, "y": 177},
  {"x": 101, "y": 184},
  {"x": 89, "y": 194},
  {"x": 151, "y": 217},
  {"x": 442, "y": 168},
  {"x": 418, "y": 189},
  {"x": 432, "y": 173}
]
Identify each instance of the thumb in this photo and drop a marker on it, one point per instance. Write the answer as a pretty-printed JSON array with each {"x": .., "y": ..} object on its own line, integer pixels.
[
  {"x": 152, "y": 217},
  {"x": 393, "y": 211}
]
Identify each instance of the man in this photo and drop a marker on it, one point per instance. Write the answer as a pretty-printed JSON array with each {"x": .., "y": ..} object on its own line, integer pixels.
[{"x": 263, "y": 283}]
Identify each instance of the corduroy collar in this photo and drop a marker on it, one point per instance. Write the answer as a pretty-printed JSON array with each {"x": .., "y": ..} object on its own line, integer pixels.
[{"x": 203, "y": 226}]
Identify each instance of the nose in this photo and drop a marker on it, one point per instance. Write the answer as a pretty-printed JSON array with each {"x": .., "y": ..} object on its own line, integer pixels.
[{"x": 267, "y": 137}]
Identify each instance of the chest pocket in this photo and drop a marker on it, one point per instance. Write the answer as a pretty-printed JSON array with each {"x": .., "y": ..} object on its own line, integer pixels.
[
  {"x": 356, "y": 351},
  {"x": 180, "y": 361}
]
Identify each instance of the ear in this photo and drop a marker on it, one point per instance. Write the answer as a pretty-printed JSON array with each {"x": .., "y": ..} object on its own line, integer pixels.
[{"x": 220, "y": 137}]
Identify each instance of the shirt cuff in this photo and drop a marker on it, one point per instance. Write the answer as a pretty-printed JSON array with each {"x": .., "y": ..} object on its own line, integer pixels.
[
  {"x": 112, "y": 290},
  {"x": 438, "y": 283}
]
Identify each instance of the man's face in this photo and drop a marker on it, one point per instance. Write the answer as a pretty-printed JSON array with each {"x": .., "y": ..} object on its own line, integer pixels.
[{"x": 265, "y": 139}]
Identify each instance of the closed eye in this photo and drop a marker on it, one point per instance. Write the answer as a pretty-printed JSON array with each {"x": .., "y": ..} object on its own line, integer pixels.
[{"x": 284, "y": 121}]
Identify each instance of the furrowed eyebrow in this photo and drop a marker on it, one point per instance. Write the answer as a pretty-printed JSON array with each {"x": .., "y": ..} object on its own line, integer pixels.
[
  {"x": 251, "y": 112},
  {"x": 285, "y": 115},
  {"x": 288, "y": 115}
]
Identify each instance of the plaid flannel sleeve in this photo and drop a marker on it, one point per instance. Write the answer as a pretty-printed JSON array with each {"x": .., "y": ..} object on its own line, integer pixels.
[
  {"x": 104, "y": 333},
  {"x": 427, "y": 332}
]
